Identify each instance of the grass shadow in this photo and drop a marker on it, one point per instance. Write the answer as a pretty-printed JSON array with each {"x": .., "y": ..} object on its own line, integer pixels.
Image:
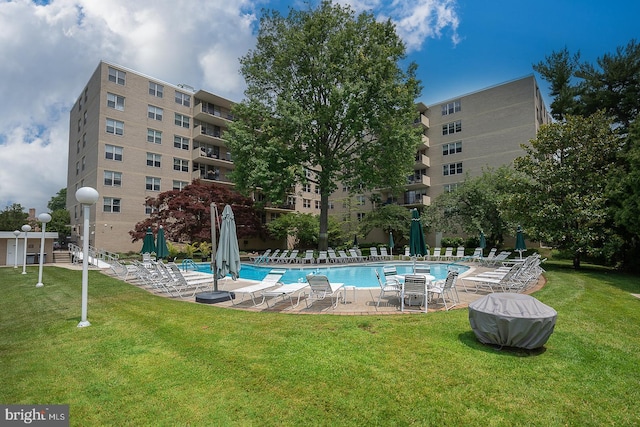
[{"x": 469, "y": 339}]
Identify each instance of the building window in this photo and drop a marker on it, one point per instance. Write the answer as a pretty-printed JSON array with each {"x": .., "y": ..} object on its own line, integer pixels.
[
  {"x": 85, "y": 117},
  {"x": 317, "y": 203},
  {"x": 152, "y": 183},
  {"x": 183, "y": 99},
  {"x": 155, "y": 89},
  {"x": 111, "y": 204},
  {"x": 79, "y": 125},
  {"x": 83, "y": 163},
  {"x": 182, "y": 120},
  {"x": 84, "y": 140},
  {"x": 77, "y": 168},
  {"x": 148, "y": 210},
  {"x": 451, "y": 128},
  {"x": 113, "y": 153},
  {"x": 154, "y": 113},
  {"x": 452, "y": 169},
  {"x": 360, "y": 216},
  {"x": 179, "y": 185},
  {"x": 112, "y": 179},
  {"x": 306, "y": 203},
  {"x": 115, "y": 101},
  {"x": 154, "y": 136},
  {"x": 451, "y": 107},
  {"x": 452, "y": 148},
  {"x": 448, "y": 188},
  {"x": 180, "y": 165},
  {"x": 180, "y": 142},
  {"x": 331, "y": 205},
  {"x": 117, "y": 76},
  {"x": 154, "y": 160},
  {"x": 306, "y": 188},
  {"x": 78, "y": 147},
  {"x": 115, "y": 127},
  {"x": 362, "y": 200}
]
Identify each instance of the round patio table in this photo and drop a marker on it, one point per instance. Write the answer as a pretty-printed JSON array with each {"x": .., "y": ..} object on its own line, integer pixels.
[{"x": 512, "y": 320}]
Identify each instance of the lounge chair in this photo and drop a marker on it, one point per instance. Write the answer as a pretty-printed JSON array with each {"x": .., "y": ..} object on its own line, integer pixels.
[
  {"x": 274, "y": 256},
  {"x": 373, "y": 254},
  {"x": 293, "y": 257},
  {"x": 344, "y": 257},
  {"x": 308, "y": 257},
  {"x": 414, "y": 287},
  {"x": 354, "y": 256},
  {"x": 261, "y": 258},
  {"x": 390, "y": 286},
  {"x": 384, "y": 255},
  {"x": 321, "y": 288},
  {"x": 407, "y": 253},
  {"x": 322, "y": 257},
  {"x": 459, "y": 255},
  {"x": 283, "y": 256},
  {"x": 448, "y": 254},
  {"x": 333, "y": 257},
  {"x": 270, "y": 281},
  {"x": 437, "y": 254},
  {"x": 286, "y": 292},
  {"x": 489, "y": 258}
]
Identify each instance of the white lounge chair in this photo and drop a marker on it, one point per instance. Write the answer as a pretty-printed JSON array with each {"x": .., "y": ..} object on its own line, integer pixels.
[
  {"x": 322, "y": 257},
  {"x": 448, "y": 254},
  {"x": 384, "y": 255},
  {"x": 321, "y": 288},
  {"x": 354, "y": 256},
  {"x": 270, "y": 281},
  {"x": 286, "y": 292},
  {"x": 308, "y": 257},
  {"x": 373, "y": 254},
  {"x": 436, "y": 254}
]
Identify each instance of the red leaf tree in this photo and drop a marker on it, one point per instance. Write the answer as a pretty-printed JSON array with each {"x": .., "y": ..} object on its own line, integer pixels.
[{"x": 186, "y": 214}]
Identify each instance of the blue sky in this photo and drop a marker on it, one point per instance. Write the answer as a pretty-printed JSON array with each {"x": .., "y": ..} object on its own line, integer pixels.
[{"x": 50, "y": 48}]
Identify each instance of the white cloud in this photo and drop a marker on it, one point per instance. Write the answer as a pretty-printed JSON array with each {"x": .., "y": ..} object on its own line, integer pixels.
[
  {"x": 49, "y": 52},
  {"x": 415, "y": 20}
]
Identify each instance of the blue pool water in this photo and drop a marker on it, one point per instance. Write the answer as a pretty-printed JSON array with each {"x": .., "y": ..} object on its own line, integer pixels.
[{"x": 361, "y": 276}]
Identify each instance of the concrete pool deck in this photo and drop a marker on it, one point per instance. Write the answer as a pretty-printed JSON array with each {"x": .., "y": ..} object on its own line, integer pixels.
[{"x": 359, "y": 301}]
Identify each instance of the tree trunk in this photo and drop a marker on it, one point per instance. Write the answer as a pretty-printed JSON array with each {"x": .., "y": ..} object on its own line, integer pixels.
[
  {"x": 323, "y": 239},
  {"x": 576, "y": 261}
]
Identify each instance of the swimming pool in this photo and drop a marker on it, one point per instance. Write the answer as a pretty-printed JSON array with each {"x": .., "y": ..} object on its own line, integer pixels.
[{"x": 360, "y": 276}]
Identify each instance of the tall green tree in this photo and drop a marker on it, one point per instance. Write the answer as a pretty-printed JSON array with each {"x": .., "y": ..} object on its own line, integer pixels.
[
  {"x": 564, "y": 202},
  {"x": 59, "y": 201},
  {"x": 326, "y": 102},
  {"x": 13, "y": 217},
  {"x": 478, "y": 205},
  {"x": 558, "y": 69},
  {"x": 390, "y": 219}
]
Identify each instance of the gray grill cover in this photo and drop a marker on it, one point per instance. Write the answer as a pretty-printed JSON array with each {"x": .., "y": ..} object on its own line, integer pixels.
[{"x": 512, "y": 320}]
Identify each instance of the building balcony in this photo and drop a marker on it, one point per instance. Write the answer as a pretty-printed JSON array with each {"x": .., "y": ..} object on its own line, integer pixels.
[
  {"x": 422, "y": 120},
  {"x": 415, "y": 201},
  {"x": 211, "y": 177},
  {"x": 423, "y": 160},
  {"x": 425, "y": 142},
  {"x": 210, "y": 157},
  {"x": 421, "y": 182},
  {"x": 208, "y": 135},
  {"x": 211, "y": 114}
]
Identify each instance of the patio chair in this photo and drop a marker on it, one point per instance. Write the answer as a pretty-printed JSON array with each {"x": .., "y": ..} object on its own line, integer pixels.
[
  {"x": 373, "y": 254},
  {"x": 283, "y": 256},
  {"x": 414, "y": 287},
  {"x": 390, "y": 286},
  {"x": 344, "y": 257},
  {"x": 477, "y": 255},
  {"x": 437, "y": 253},
  {"x": 459, "y": 255},
  {"x": 321, "y": 288},
  {"x": 445, "y": 289},
  {"x": 271, "y": 280}
]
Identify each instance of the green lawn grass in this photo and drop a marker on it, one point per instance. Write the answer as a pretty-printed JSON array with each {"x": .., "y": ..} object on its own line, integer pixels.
[{"x": 148, "y": 360}]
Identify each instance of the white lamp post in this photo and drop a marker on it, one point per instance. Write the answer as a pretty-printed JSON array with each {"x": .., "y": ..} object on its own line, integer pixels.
[
  {"x": 87, "y": 196},
  {"x": 44, "y": 218},
  {"x": 26, "y": 228},
  {"x": 15, "y": 257}
]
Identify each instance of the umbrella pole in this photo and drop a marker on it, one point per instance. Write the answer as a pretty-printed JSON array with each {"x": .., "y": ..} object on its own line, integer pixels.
[{"x": 214, "y": 246}]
